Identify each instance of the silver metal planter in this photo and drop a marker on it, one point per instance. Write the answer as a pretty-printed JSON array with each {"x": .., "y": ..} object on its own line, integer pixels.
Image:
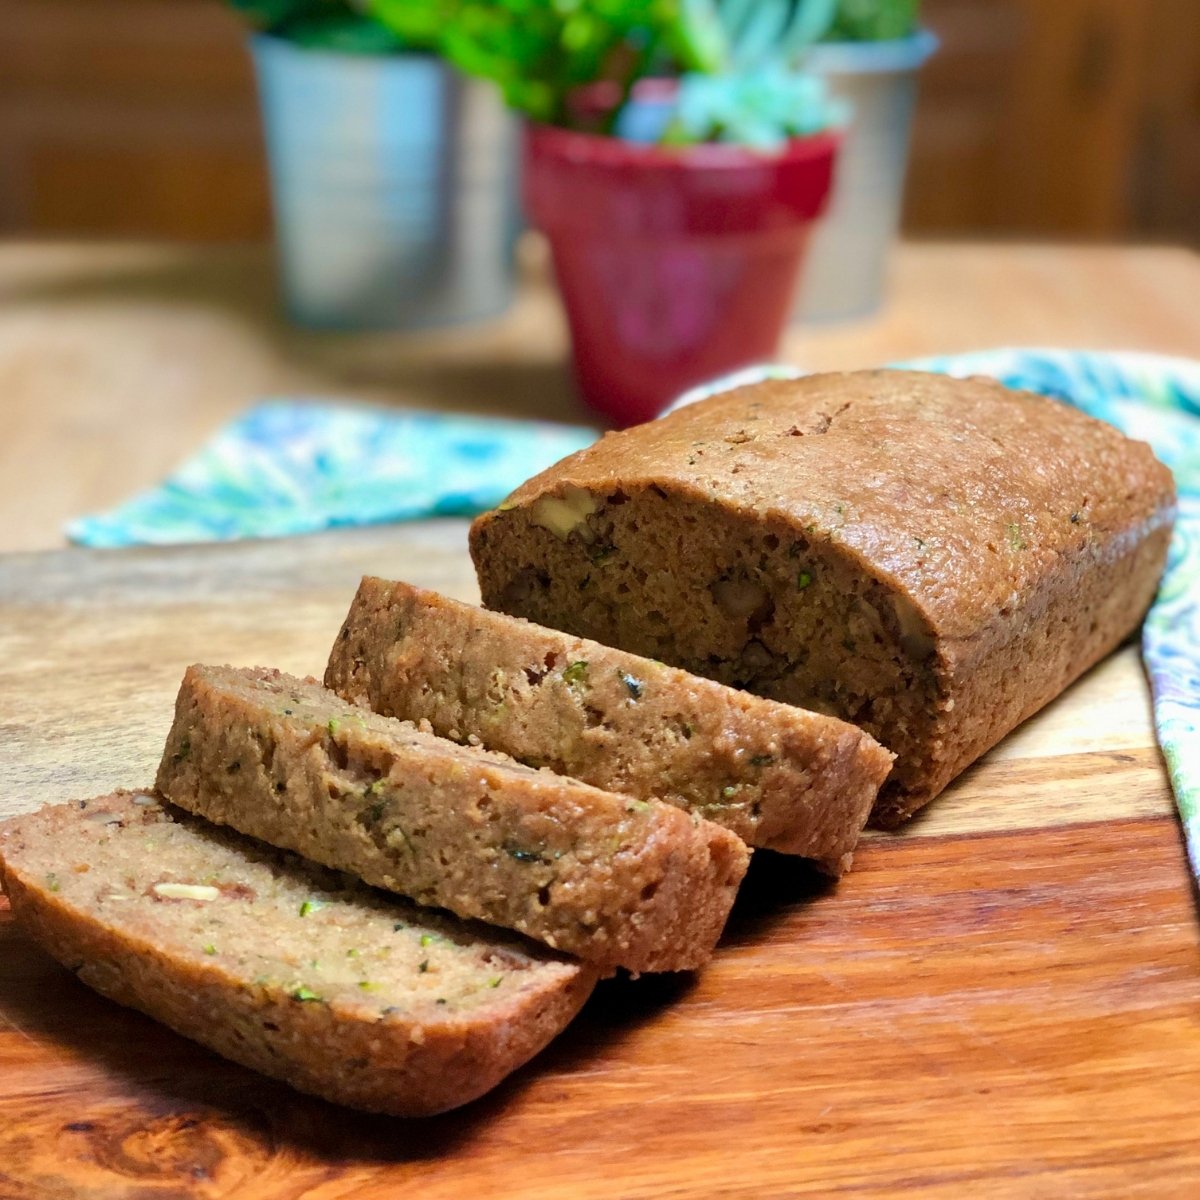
[
  {"x": 847, "y": 258},
  {"x": 394, "y": 187}
]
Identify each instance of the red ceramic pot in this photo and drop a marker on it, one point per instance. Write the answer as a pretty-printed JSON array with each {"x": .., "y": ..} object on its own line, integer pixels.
[{"x": 675, "y": 265}]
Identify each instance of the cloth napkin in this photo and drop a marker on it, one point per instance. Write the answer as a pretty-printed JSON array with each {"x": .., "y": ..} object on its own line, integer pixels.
[
  {"x": 299, "y": 466},
  {"x": 289, "y": 467}
]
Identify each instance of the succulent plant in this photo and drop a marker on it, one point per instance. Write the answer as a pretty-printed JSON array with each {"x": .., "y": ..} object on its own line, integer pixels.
[{"x": 873, "y": 20}]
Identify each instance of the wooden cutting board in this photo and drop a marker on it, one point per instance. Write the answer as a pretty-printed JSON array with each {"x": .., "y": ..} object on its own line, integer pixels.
[{"x": 1003, "y": 1000}]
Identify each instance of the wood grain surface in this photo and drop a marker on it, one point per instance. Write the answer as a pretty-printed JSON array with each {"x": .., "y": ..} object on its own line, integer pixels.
[
  {"x": 1008, "y": 1015},
  {"x": 1003, "y": 1000},
  {"x": 117, "y": 361}
]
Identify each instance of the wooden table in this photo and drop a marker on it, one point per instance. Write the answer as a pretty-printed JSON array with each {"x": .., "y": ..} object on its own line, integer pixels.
[
  {"x": 115, "y": 362},
  {"x": 1002, "y": 1001}
]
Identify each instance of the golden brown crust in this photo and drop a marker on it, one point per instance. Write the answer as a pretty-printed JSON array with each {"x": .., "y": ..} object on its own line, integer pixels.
[
  {"x": 346, "y": 1052},
  {"x": 965, "y": 551},
  {"x": 777, "y": 776},
  {"x": 617, "y": 881}
]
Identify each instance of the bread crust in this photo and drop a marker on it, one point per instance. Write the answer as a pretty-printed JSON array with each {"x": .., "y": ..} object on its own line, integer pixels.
[
  {"x": 986, "y": 546},
  {"x": 347, "y": 1052},
  {"x": 778, "y": 777},
  {"x": 617, "y": 881}
]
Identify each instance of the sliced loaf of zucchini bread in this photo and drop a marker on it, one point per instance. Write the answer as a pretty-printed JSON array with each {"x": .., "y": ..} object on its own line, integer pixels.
[
  {"x": 777, "y": 776},
  {"x": 341, "y": 991},
  {"x": 618, "y": 881}
]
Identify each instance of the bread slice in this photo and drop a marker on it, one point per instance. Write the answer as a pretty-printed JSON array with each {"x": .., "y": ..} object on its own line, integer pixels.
[
  {"x": 343, "y": 992},
  {"x": 617, "y": 881},
  {"x": 777, "y": 776}
]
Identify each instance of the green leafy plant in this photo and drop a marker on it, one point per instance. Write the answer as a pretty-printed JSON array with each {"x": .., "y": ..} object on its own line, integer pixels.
[
  {"x": 735, "y": 58},
  {"x": 323, "y": 25},
  {"x": 873, "y": 20},
  {"x": 541, "y": 51}
]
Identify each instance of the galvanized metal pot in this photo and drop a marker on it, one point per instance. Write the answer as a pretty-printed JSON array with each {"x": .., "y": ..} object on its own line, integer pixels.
[
  {"x": 394, "y": 187},
  {"x": 848, "y": 256}
]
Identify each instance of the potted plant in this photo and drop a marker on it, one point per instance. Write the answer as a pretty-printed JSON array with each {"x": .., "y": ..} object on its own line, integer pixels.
[
  {"x": 393, "y": 175},
  {"x": 869, "y": 57},
  {"x": 676, "y": 260}
]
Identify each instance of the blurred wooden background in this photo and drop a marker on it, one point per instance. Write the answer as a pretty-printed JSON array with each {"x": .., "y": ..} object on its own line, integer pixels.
[{"x": 1067, "y": 118}]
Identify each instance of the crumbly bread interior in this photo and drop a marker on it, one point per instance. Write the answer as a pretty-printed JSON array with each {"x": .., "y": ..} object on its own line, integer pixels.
[
  {"x": 618, "y": 881},
  {"x": 761, "y": 607},
  {"x": 777, "y": 776},
  {"x": 232, "y": 907}
]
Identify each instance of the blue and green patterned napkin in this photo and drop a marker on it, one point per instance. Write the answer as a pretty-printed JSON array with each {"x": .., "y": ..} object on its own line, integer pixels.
[{"x": 297, "y": 467}]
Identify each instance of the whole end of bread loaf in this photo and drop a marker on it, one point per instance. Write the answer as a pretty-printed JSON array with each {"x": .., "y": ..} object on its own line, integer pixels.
[{"x": 931, "y": 559}]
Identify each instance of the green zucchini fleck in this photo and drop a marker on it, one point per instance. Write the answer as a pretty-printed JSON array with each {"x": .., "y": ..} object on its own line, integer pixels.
[{"x": 575, "y": 672}]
